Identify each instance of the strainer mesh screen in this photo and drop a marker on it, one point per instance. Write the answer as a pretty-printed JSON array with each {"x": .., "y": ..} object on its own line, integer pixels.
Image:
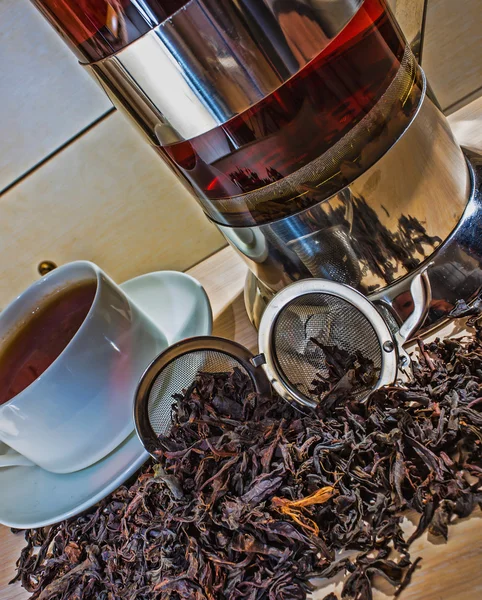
[
  {"x": 331, "y": 321},
  {"x": 177, "y": 376}
]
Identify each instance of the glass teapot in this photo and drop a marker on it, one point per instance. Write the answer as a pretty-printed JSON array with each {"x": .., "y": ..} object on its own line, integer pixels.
[{"x": 305, "y": 129}]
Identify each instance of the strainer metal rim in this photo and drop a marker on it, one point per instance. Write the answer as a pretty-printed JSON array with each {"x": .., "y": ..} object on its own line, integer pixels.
[
  {"x": 239, "y": 353},
  {"x": 388, "y": 345}
]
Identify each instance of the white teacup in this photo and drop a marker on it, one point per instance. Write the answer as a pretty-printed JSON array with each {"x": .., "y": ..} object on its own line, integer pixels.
[{"x": 80, "y": 408}]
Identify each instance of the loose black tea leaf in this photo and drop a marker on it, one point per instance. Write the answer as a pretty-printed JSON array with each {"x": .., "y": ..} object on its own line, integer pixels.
[
  {"x": 251, "y": 499},
  {"x": 348, "y": 373}
]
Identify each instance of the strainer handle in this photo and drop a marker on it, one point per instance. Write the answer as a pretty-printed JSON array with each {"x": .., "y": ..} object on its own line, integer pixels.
[{"x": 421, "y": 292}]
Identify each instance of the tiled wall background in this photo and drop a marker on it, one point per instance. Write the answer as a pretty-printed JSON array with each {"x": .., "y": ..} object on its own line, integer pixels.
[{"x": 76, "y": 181}]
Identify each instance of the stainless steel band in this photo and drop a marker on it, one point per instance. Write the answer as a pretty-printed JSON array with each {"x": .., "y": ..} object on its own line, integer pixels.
[
  {"x": 376, "y": 230},
  {"x": 213, "y": 60},
  {"x": 455, "y": 268}
]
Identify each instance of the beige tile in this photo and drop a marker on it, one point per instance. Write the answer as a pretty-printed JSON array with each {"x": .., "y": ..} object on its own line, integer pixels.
[
  {"x": 106, "y": 198},
  {"x": 452, "y": 56},
  {"x": 45, "y": 96},
  {"x": 466, "y": 124}
]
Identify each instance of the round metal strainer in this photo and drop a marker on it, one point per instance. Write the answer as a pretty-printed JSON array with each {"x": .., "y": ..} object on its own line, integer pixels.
[
  {"x": 315, "y": 331},
  {"x": 306, "y": 334},
  {"x": 175, "y": 370}
]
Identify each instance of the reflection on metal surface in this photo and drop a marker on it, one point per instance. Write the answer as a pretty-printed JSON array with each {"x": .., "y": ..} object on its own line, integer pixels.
[
  {"x": 212, "y": 60},
  {"x": 45, "y": 267},
  {"x": 329, "y": 254},
  {"x": 454, "y": 268},
  {"x": 380, "y": 227},
  {"x": 456, "y": 272},
  {"x": 95, "y": 29}
]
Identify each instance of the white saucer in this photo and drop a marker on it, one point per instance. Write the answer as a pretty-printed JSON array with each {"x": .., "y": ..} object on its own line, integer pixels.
[{"x": 31, "y": 497}]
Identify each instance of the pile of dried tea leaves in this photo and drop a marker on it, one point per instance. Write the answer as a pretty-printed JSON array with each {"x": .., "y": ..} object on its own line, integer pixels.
[{"x": 251, "y": 498}]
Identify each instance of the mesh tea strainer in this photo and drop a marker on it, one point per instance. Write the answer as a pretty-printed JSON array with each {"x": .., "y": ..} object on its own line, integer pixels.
[
  {"x": 175, "y": 369},
  {"x": 298, "y": 332}
]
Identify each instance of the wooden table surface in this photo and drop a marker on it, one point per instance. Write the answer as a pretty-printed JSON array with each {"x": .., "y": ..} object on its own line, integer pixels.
[{"x": 449, "y": 571}]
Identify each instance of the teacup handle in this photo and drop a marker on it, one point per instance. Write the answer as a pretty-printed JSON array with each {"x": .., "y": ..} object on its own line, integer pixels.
[{"x": 13, "y": 459}]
